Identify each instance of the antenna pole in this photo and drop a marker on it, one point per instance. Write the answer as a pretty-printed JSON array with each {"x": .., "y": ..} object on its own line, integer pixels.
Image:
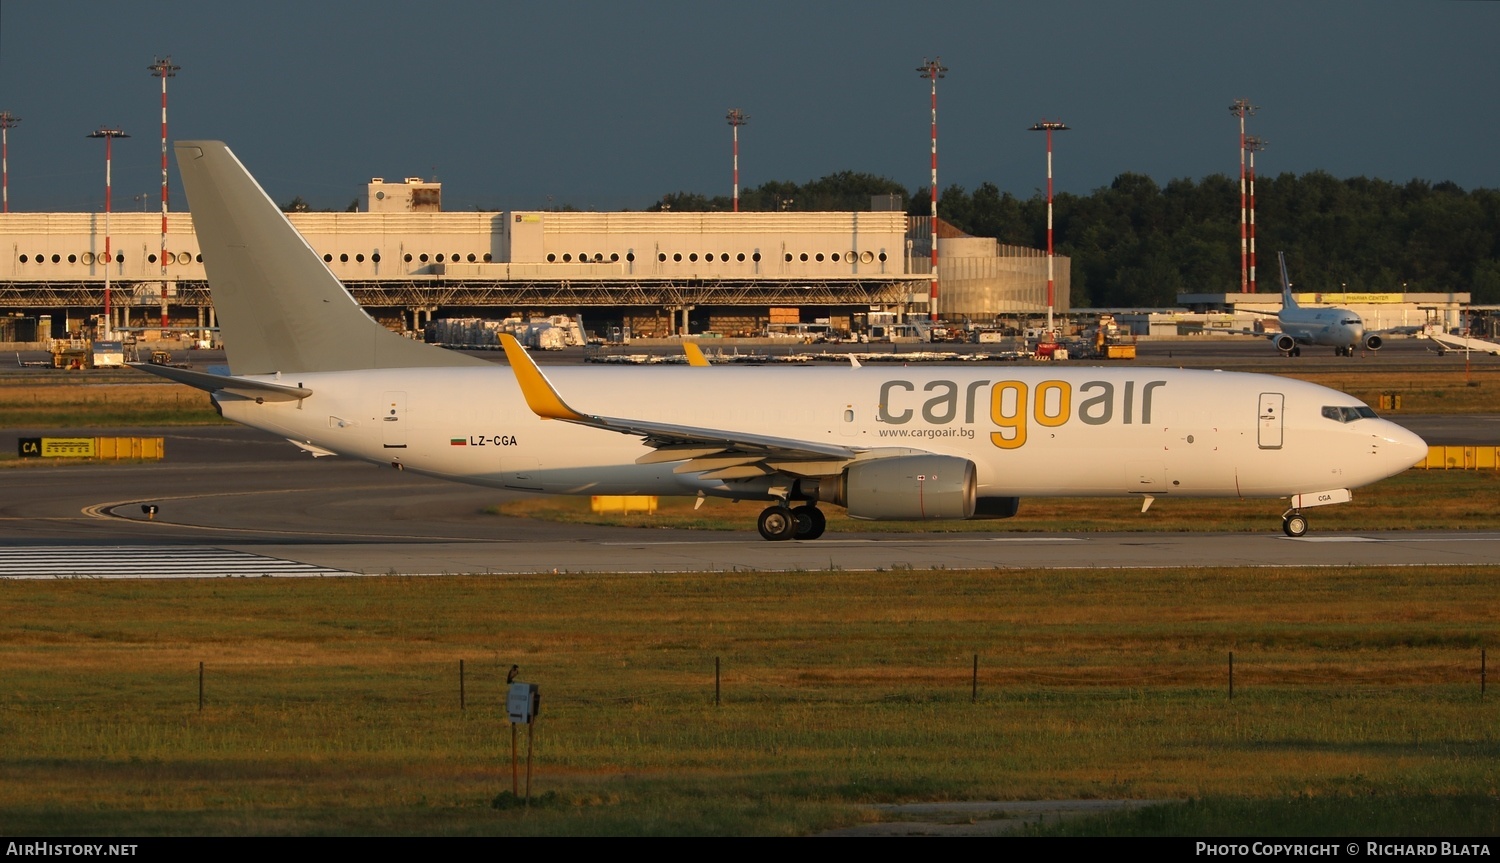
[{"x": 932, "y": 70}]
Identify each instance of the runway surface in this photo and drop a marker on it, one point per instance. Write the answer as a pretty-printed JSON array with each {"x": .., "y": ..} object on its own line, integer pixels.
[{"x": 236, "y": 502}]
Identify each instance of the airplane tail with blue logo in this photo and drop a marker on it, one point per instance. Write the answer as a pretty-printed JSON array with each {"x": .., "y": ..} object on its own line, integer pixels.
[{"x": 1286, "y": 284}]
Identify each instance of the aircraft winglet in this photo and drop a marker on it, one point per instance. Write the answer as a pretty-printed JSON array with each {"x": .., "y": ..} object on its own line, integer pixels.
[
  {"x": 694, "y": 354},
  {"x": 540, "y": 395}
]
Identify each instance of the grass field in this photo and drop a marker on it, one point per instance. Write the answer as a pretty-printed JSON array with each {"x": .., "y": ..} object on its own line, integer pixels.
[
  {"x": 332, "y": 705},
  {"x": 74, "y": 402}
]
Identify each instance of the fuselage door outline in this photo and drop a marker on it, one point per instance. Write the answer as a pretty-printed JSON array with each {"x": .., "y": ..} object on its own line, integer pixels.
[{"x": 1272, "y": 406}]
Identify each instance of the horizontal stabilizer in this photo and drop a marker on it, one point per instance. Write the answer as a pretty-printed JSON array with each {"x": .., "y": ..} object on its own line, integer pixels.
[{"x": 246, "y": 387}]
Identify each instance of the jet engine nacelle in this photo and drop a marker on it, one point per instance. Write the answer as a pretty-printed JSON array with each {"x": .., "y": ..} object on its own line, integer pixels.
[
  {"x": 1373, "y": 342},
  {"x": 911, "y": 487},
  {"x": 1284, "y": 343}
]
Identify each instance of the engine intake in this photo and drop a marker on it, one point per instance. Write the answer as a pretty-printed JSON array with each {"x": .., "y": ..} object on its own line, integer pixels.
[
  {"x": 1373, "y": 342},
  {"x": 913, "y": 487}
]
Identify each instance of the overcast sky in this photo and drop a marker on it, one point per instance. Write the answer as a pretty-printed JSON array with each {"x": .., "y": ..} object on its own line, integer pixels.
[{"x": 608, "y": 105}]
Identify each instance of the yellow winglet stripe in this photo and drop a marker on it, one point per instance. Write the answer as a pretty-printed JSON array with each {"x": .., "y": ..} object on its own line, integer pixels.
[
  {"x": 694, "y": 353},
  {"x": 540, "y": 396}
]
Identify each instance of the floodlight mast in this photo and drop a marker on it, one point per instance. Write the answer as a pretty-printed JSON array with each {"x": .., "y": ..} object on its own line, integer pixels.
[
  {"x": 1049, "y": 126},
  {"x": 1253, "y": 145},
  {"x": 1240, "y": 108},
  {"x": 163, "y": 68},
  {"x": 109, "y": 135},
  {"x": 932, "y": 70},
  {"x": 737, "y": 118},
  {"x": 8, "y": 121}
]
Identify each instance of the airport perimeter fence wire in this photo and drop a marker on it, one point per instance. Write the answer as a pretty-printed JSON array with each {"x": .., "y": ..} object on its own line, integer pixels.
[
  {"x": 1246, "y": 674},
  {"x": 484, "y": 688}
]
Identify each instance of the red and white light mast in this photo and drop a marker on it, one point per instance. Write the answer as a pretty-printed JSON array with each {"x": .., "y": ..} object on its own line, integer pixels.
[
  {"x": 1049, "y": 126},
  {"x": 737, "y": 118},
  {"x": 163, "y": 69},
  {"x": 1240, "y": 108},
  {"x": 1253, "y": 145},
  {"x": 109, "y": 135},
  {"x": 8, "y": 121},
  {"x": 933, "y": 70}
]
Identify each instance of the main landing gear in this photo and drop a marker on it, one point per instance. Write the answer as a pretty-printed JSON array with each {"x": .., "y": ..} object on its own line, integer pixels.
[
  {"x": 781, "y": 522},
  {"x": 1293, "y": 523}
]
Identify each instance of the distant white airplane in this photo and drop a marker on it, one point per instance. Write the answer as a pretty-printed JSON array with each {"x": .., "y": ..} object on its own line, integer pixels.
[
  {"x": 1340, "y": 329},
  {"x": 307, "y": 363}
]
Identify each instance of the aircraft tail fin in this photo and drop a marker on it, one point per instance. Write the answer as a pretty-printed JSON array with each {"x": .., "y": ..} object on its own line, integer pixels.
[
  {"x": 279, "y": 307},
  {"x": 1287, "y": 301}
]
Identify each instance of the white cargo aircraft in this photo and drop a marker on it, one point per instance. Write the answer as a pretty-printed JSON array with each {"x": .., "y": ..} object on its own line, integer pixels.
[
  {"x": 1340, "y": 329},
  {"x": 885, "y": 443}
]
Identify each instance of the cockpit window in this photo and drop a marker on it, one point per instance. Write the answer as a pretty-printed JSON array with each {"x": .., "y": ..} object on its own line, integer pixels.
[
  {"x": 1350, "y": 321},
  {"x": 1346, "y": 414}
]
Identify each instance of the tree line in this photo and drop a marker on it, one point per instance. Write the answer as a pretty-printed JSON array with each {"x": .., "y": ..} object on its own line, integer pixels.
[{"x": 1138, "y": 243}]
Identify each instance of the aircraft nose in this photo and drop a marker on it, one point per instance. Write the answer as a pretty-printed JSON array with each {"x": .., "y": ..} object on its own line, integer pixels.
[{"x": 1399, "y": 448}]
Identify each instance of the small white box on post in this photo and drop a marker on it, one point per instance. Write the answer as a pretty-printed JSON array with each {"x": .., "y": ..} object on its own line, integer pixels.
[{"x": 524, "y": 703}]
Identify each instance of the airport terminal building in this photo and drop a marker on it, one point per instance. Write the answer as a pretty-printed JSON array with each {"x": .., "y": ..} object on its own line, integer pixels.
[{"x": 656, "y": 273}]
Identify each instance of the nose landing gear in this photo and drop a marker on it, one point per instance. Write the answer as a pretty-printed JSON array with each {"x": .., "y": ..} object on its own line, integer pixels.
[{"x": 1293, "y": 523}]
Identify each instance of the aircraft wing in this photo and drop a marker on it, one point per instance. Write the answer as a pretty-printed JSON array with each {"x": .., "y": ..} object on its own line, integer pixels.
[
  {"x": 245, "y": 387},
  {"x": 717, "y": 453}
]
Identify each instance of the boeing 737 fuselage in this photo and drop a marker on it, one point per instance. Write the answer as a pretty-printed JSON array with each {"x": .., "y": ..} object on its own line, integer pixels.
[{"x": 907, "y": 443}]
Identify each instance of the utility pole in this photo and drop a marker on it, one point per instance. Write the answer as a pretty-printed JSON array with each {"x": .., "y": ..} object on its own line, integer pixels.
[
  {"x": 8, "y": 121},
  {"x": 1253, "y": 145},
  {"x": 1049, "y": 126},
  {"x": 737, "y": 118},
  {"x": 932, "y": 70},
  {"x": 163, "y": 69},
  {"x": 1240, "y": 108},
  {"x": 109, "y": 135}
]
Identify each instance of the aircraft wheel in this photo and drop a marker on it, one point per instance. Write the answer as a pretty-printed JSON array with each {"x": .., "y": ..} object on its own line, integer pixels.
[
  {"x": 1296, "y": 352},
  {"x": 810, "y": 522},
  {"x": 1294, "y": 524},
  {"x": 777, "y": 523}
]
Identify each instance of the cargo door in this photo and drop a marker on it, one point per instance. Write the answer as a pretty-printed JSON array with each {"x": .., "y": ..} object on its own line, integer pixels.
[
  {"x": 393, "y": 420},
  {"x": 1271, "y": 409}
]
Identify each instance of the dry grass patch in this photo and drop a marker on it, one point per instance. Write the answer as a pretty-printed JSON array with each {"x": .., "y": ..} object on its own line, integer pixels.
[
  {"x": 851, "y": 674},
  {"x": 80, "y": 403}
]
